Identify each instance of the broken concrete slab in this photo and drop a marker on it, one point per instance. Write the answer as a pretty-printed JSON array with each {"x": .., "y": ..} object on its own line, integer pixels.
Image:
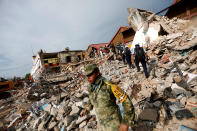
[
  {"x": 176, "y": 90},
  {"x": 52, "y": 125},
  {"x": 149, "y": 115},
  {"x": 75, "y": 110}
]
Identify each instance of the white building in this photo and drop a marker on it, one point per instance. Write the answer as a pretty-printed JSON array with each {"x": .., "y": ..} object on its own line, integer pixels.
[{"x": 36, "y": 67}]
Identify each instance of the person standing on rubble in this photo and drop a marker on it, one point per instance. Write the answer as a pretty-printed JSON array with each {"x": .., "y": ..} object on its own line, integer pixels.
[
  {"x": 139, "y": 54},
  {"x": 100, "y": 52},
  {"x": 103, "y": 95},
  {"x": 123, "y": 54},
  {"x": 113, "y": 50},
  {"x": 127, "y": 54}
]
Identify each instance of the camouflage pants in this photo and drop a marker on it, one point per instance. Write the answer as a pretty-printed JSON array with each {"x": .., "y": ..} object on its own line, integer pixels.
[{"x": 113, "y": 125}]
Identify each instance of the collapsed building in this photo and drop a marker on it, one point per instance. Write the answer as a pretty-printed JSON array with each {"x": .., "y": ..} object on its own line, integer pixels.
[{"x": 47, "y": 63}]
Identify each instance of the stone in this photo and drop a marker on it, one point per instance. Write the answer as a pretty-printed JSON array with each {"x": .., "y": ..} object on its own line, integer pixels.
[
  {"x": 176, "y": 90},
  {"x": 84, "y": 123},
  {"x": 69, "y": 119},
  {"x": 60, "y": 117},
  {"x": 43, "y": 95},
  {"x": 79, "y": 95},
  {"x": 60, "y": 124},
  {"x": 93, "y": 112},
  {"x": 157, "y": 104},
  {"x": 41, "y": 126},
  {"x": 149, "y": 114},
  {"x": 174, "y": 35},
  {"x": 36, "y": 123},
  {"x": 71, "y": 126},
  {"x": 183, "y": 114},
  {"x": 61, "y": 110},
  {"x": 75, "y": 110},
  {"x": 86, "y": 99},
  {"x": 52, "y": 124},
  {"x": 44, "y": 116},
  {"x": 29, "y": 118},
  {"x": 53, "y": 98},
  {"x": 183, "y": 101},
  {"x": 81, "y": 119},
  {"x": 67, "y": 109},
  {"x": 56, "y": 128},
  {"x": 79, "y": 104},
  {"x": 92, "y": 124},
  {"x": 54, "y": 112},
  {"x": 177, "y": 79},
  {"x": 193, "y": 67},
  {"x": 169, "y": 79},
  {"x": 63, "y": 94}
]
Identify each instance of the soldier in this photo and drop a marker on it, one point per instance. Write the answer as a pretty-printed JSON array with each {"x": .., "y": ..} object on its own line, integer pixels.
[{"x": 103, "y": 95}]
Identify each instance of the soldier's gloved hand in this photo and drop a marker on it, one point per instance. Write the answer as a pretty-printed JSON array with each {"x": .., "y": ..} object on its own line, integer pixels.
[
  {"x": 124, "y": 127},
  {"x": 83, "y": 112}
]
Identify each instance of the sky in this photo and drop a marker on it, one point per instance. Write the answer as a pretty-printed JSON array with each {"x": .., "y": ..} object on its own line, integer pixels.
[{"x": 26, "y": 26}]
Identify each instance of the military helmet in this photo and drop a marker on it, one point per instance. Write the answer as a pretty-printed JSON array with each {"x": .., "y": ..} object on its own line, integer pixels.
[{"x": 90, "y": 68}]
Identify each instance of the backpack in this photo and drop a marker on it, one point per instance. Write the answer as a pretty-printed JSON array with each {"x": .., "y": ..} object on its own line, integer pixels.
[
  {"x": 139, "y": 54},
  {"x": 127, "y": 51}
]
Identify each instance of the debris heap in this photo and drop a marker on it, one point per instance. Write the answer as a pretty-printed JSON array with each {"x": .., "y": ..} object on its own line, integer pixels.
[{"x": 167, "y": 100}]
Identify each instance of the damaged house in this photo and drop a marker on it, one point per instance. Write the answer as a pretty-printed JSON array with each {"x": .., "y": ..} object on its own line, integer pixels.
[
  {"x": 71, "y": 56},
  {"x": 50, "y": 62},
  {"x": 125, "y": 34},
  {"x": 147, "y": 25},
  {"x": 37, "y": 66},
  {"x": 184, "y": 9}
]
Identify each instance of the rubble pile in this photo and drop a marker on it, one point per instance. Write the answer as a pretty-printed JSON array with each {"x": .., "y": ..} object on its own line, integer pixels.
[{"x": 167, "y": 100}]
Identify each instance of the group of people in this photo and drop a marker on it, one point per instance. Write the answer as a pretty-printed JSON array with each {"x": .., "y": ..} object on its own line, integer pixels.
[
  {"x": 132, "y": 56},
  {"x": 129, "y": 56},
  {"x": 106, "y": 96}
]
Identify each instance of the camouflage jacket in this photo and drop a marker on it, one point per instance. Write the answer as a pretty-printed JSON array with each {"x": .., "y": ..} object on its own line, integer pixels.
[{"x": 103, "y": 99}]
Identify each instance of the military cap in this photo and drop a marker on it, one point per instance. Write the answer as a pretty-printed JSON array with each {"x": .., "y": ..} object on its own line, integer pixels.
[{"x": 90, "y": 68}]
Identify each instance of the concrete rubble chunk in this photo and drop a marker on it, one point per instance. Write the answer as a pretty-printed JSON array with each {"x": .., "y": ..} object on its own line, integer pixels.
[
  {"x": 174, "y": 35},
  {"x": 72, "y": 126},
  {"x": 183, "y": 114},
  {"x": 63, "y": 94},
  {"x": 149, "y": 114},
  {"x": 54, "y": 111},
  {"x": 41, "y": 126},
  {"x": 36, "y": 123},
  {"x": 84, "y": 123},
  {"x": 176, "y": 90},
  {"x": 52, "y": 125},
  {"x": 86, "y": 99},
  {"x": 75, "y": 110},
  {"x": 61, "y": 110},
  {"x": 81, "y": 119},
  {"x": 69, "y": 119},
  {"x": 79, "y": 104},
  {"x": 92, "y": 124},
  {"x": 177, "y": 79}
]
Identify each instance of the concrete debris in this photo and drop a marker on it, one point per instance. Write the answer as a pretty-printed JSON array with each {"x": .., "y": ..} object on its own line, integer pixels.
[
  {"x": 183, "y": 114},
  {"x": 55, "y": 101},
  {"x": 149, "y": 115}
]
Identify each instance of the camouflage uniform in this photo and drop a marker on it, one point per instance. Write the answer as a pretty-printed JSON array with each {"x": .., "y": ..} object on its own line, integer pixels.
[{"x": 103, "y": 99}]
